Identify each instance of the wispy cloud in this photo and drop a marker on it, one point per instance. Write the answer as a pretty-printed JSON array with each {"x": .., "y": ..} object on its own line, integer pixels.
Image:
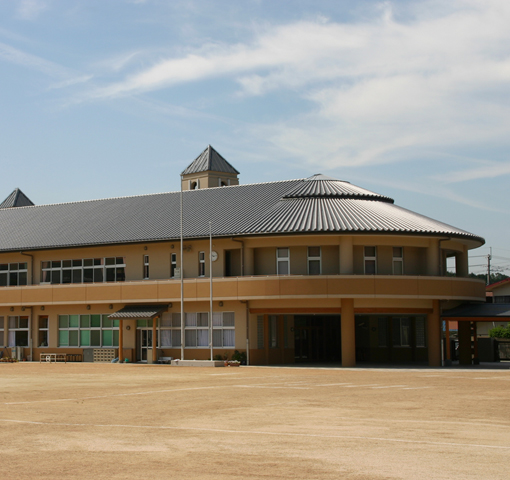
[
  {"x": 405, "y": 80},
  {"x": 18, "y": 57},
  {"x": 31, "y": 9}
]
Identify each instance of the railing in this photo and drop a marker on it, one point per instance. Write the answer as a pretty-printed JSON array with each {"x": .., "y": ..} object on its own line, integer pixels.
[{"x": 250, "y": 287}]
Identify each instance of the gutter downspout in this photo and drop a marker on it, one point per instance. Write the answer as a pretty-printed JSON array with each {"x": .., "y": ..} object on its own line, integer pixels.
[{"x": 242, "y": 254}]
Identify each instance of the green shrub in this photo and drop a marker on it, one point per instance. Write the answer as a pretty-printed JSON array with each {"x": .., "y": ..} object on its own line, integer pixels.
[{"x": 500, "y": 332}]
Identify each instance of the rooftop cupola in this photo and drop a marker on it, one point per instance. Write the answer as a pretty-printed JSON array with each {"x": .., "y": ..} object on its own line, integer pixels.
[
  {"x": 209, "y": 170},
  {"x": 16, "y": 199}
]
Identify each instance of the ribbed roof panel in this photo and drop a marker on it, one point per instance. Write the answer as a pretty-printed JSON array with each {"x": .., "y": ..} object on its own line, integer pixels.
[
  {"x": 347, "y": 215},
  {"x": 318, "y": 187},
  {"x": 236, "y": 210}
]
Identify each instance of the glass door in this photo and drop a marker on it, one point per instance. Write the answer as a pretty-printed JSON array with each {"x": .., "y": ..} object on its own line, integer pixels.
[{"x": 144, "y": 343}]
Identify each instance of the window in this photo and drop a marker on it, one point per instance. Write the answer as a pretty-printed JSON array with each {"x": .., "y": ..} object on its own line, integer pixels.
[
  {"x": 170, "y": 330},
  {"x": 89, "y": 270},
  {"x": 1, "y": 331},
  {"x": 260, "y": 332},
  {"x": 370, "y": 260},
  {"x": 173, "y": 264},
  {"x": 401, "y": 332},
  {"x": 314, "y": 261},
  {"x": 282, "y": 261},
  {"x": 201, "y": 264},
  {"x": 223, "y": 329},
  {"x": 87, "y": 331},
  {"x": 145, "y": 267},
  {"x": 42, "y": 339},
  {"x": 18, "y": 331},
  {"x": 273, "y": 331},
  {"x": 502, "y": 299},
  {"x": 382, "y": 332},
  {"x": 420, "y": 325},
  {"x": 398, "y": 261},
  {"x": 196, "y": 333},
  {"x": 13, "y": 274}
]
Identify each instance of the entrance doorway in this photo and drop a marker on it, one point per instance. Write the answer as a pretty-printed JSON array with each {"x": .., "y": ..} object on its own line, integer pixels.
[
  {"x": 317, "y": 338},
  {"x": 144, "y": 343}
]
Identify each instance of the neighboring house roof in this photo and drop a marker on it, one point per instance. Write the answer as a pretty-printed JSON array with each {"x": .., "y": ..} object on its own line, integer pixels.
[
  {"x": 291, "y": 206},
  {"x": 16, "y": 199},
  {"x": 209, "y": 160},
  {"x": 496, "y": 285}
]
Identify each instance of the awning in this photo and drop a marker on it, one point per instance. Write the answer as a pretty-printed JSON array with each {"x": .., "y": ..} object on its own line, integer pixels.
[
  {"x": 480, "y": 312},
  {"x": 139, "y": 311}
]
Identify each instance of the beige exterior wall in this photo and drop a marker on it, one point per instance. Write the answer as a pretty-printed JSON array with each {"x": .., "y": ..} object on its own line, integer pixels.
[{"x": 341, "y": 283}]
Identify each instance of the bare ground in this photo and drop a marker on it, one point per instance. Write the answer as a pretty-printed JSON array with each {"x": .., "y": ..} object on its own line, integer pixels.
[{"x": 77, "y": 421}]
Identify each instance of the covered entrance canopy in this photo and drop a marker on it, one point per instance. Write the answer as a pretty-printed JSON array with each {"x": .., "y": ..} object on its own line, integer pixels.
[
  {"x": 467, "y": 315},
  {"x": 135, "y": 312}
]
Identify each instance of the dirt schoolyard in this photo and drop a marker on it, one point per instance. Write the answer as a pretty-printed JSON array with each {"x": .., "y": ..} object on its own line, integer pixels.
[{"x": 156, "y": 421}]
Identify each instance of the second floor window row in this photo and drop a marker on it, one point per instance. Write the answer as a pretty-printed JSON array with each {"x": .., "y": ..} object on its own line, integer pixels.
[{"x": 89, "y": 270}]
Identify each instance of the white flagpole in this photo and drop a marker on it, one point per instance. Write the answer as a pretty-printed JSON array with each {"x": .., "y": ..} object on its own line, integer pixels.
[
  {"x": 211, "y": 291},
  {"x": 182, "y": 282}
]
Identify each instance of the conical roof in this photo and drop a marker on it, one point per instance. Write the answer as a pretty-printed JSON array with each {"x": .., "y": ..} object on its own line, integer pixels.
[
  {"x": 16, "y": 199},
  {"x": 321, "y": 186},
  {"x": 209, "y": 160}
]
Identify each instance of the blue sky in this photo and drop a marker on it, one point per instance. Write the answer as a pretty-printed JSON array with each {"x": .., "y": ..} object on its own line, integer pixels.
[{"x": 410, "y": 99}]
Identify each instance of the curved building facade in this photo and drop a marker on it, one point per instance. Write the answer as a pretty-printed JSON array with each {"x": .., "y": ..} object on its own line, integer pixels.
[{"x": 306, "y": 270}]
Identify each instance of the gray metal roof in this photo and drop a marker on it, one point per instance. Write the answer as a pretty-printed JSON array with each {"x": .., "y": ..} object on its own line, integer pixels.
[
  {"x": 16, "y": 199},
  {"x": 479, "y": 310},
  {"x": 139, "y": 311},
  {"x": 318, "y": 186},
  {"x": 209, "y": 160},
  {"x": 235, "y": 210}
]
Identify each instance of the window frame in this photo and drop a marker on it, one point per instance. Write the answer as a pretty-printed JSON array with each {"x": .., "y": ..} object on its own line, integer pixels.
[
  {"x": 15, "y": 329},
  {"x": 314, "y": 258},
  {"x": 170, "y": 325},
  {"x": 398, "y": 260},
  {"x": 56, "y": 272},
  {"x": 282, "y": 260},
  {"x": 273, "y": 337},
  {"x": 11, "y": 269},
  {"x": 224, "y": 327},
  {"x": 105, "y": 325},
  {"x": 44, "y": 330},
  {"x": 194, "y": 328},
  {"x": 146, "y": 267},
  {"x": 173, "y": 264},
  {"x": 369, "y": 258},
  {"x": 201, "y": 264}
]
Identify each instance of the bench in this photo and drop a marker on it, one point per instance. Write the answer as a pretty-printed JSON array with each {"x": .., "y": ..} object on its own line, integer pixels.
[
  {"x": 165, "y": 359},
  {"x": 53, "y": 357}
]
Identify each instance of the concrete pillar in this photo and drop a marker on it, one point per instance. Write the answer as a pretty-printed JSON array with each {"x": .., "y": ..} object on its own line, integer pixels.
[
  {"x": 347, "y": 328},
  {"x": 434, "y": 335},
  {"x": 465, "y": 343},
  {"x": 346, "y": 256},
  {"x": 461, "y": 264},
  {"x": 121, "y": 340},
  {"x": 249, "y": 263},
  {"x": 433, "y": 258},
  {"x": 154, "y": 342}
]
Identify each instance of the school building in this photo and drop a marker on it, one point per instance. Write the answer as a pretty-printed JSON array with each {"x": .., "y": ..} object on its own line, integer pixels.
[{"x": 308, "y": 270}]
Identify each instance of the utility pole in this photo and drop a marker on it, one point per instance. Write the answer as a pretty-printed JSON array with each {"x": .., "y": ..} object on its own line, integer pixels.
[{"x": 489, "y": 257}]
